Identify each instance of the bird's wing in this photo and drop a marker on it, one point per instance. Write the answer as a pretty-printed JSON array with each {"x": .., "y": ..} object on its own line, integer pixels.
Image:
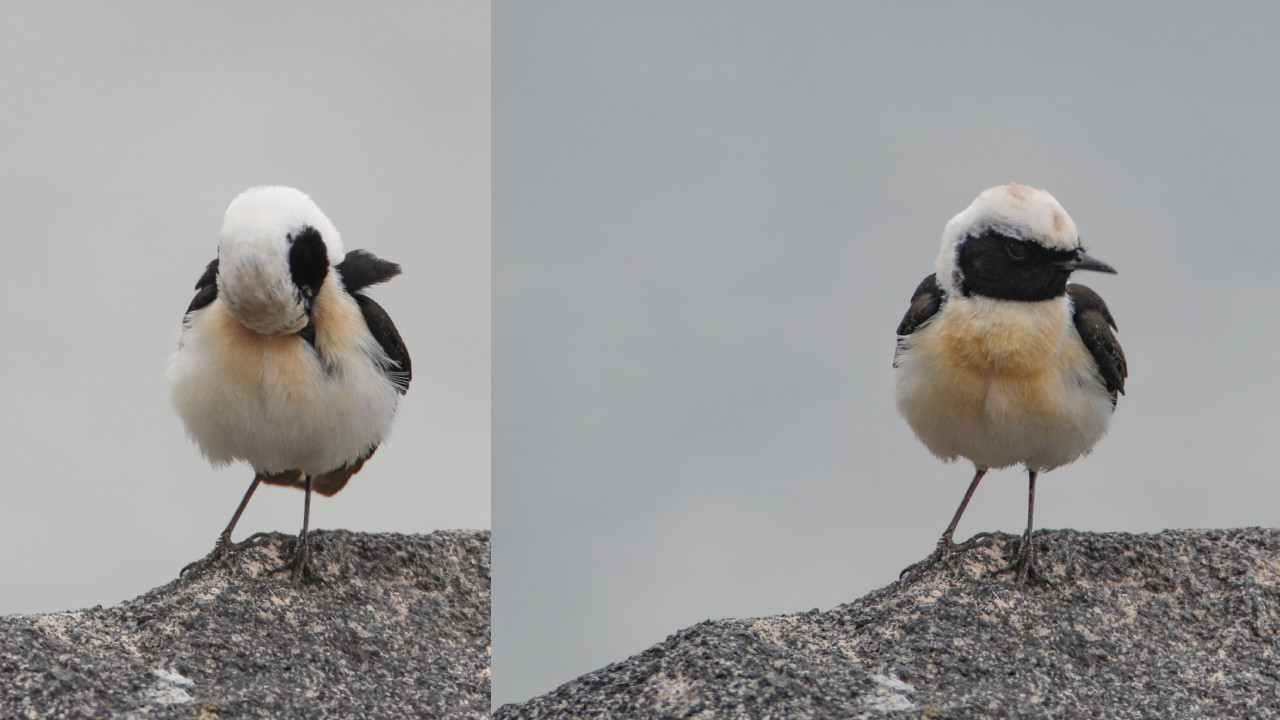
[
  {"x": 1094, "y": 323},
  {"x": 925, "y": 303},
  {"x": 206, "y": 287},
  {"x": 360, "y": 269},
  {"x": 384, "y": 331}
]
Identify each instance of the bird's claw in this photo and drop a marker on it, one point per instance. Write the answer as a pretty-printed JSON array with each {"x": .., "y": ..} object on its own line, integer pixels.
[
  {"x": 945, "y": 547},
  {"x": 221, "y": 549}
]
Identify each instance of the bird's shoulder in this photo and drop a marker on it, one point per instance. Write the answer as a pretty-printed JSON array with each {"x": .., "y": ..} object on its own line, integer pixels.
[
  {"x": 926, "y": 301},
  {"x": 1096, "y": 326},
  {"x": 206, "y": 287}
]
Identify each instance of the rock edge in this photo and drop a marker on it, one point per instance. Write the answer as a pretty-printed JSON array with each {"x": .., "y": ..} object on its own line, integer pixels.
[
  {"x": 395, "y": 626},
  {"x": 1178, "y": 624}
]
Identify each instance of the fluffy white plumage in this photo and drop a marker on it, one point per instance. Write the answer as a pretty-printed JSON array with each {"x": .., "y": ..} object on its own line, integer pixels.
[
  {"x": 246, "y": 385},
  {"x": 253, "y": 256},
  {"x": 1003, "y": 382}
]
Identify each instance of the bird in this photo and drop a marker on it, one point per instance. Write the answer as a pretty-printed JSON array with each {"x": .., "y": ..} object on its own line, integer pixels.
[
  {"x": 283, "y": 361},
  {"x": 1002, "y": 362}
]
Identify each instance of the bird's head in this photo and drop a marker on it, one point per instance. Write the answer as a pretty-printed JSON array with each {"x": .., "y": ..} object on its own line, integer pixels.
[
  {"x": 274, "y": 255},
  {"x": 1012, "y": 243}
]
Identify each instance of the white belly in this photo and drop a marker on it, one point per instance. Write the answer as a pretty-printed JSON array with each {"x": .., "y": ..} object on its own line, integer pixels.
[
  {"x": 268, "y": 400},
  {"x": 1002, "y": 384}
]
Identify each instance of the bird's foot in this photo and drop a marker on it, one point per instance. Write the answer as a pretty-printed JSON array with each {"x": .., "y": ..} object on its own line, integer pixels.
[
  {"x": 300, "y": 566},
  {"x": 1024, "y": 568},
  {"x": 199, "y": 565},
  {"x": 222, "y": 548},
  {"x": 978, "y": 540},
  {"x": 944, "y": 549}
]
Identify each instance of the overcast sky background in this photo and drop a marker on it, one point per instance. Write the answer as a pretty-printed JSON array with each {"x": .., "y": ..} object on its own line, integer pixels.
[
  {"x": 128, "y": 128},
  {"x": 708, "y": 220}
]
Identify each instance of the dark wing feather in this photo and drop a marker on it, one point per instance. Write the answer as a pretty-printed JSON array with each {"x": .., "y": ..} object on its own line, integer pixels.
[
  {"x": 206, "y": 287},
  {"x": 925, "y": 304},
  {"x": 360, "y": 269},
  {"x": 1094, "y": 323},
  {"x": 384, "y": 331}
]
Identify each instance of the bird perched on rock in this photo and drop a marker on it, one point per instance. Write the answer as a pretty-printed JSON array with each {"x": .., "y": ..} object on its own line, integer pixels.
[
  {"x": 998, "y": 359},
  {"x": 283, "y": 361}
]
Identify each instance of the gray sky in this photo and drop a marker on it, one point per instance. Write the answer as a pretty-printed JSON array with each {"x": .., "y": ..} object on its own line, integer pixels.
[
  {"x": 708, "y": 220},
  {"x": 128, "y": 128}
]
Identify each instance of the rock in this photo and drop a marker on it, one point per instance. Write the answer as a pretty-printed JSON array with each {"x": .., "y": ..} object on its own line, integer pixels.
[
  {"x": 393, "y": 626},
  {"x": 1180, "y": 624}
]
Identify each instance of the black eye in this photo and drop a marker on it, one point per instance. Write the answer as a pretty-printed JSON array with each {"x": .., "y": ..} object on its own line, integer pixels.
[{"x": 1016, "y": 250}]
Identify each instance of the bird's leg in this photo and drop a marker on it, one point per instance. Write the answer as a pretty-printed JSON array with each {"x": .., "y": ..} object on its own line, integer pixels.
[
  {"x": 301, "y": 553},
  {"x": 224, "y": 545},
  {"x": 224, "y": 540},
  {"x": 946, "y": 545},
  {"x": 1024, "y": 564}
]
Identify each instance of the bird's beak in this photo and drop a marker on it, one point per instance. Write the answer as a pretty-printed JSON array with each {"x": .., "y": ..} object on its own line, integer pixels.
[{"x": 1084, "y": 262}]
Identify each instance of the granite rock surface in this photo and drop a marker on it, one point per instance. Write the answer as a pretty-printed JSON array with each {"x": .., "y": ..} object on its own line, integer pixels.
[
  {"x": 1179, "y": 624},
  {"x": 392, "y": 626}
]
